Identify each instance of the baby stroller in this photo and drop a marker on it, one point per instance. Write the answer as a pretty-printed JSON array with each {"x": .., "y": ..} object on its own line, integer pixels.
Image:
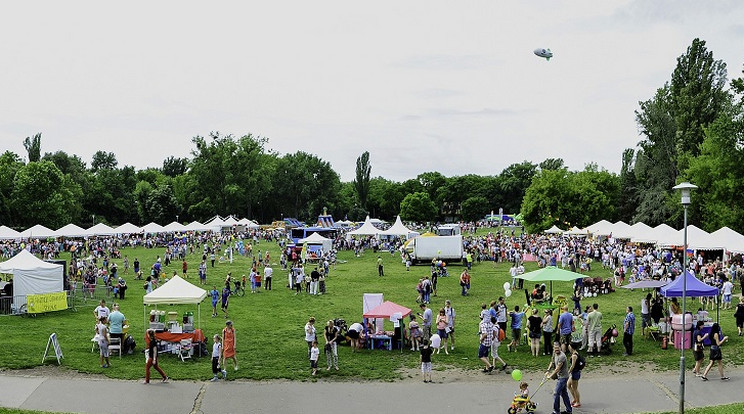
[
  {"x": 520, "y": 404},
  {"x": 608, "y": 339}
]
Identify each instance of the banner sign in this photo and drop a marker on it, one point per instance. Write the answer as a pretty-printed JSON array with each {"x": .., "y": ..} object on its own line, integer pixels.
[{"x": 46, "y": 302}]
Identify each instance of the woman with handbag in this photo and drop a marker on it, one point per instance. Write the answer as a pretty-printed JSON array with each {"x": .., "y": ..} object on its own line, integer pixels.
[{"x": 715, "y": 352}]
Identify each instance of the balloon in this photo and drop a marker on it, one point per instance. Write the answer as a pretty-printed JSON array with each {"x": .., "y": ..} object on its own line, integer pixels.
[
  {"x": 517, "y": 375},
  {"x": 435, "y": 341},
  {"x": 506, "y": 285},
  {"x": 508, "y": 293}
]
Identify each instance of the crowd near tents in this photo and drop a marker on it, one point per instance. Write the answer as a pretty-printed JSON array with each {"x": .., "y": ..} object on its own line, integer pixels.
[{"x": 662, "y": 235}]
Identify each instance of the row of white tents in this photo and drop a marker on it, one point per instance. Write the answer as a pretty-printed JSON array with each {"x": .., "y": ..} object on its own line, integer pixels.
[
  {"x": 216, "y": 224},
  {"x": 661, "y": 235},
  {"x": 397, "y": 229}
]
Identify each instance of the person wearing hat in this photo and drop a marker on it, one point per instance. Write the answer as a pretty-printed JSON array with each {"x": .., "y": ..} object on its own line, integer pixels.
[{"x": 228, "y": 345}]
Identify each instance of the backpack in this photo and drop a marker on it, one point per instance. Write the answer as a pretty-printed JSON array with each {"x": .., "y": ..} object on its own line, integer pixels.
[
  {"x": 580, "y": 362},
  {"x": 501, "y": 335}
]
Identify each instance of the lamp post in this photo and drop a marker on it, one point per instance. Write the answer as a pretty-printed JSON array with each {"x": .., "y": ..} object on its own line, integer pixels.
[{"x": 684, "y": 189}]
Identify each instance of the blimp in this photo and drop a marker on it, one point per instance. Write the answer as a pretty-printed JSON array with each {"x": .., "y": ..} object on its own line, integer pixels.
[{"x": 544, "y": 53}]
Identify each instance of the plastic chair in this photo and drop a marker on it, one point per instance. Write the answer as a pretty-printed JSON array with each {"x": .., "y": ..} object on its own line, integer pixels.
[
  {"x": 184, "y": 349},
  {"x": 94, "y": 344},
  {"x": 115, "y": 345}
]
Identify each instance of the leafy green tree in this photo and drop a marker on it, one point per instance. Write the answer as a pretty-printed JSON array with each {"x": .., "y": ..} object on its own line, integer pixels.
[
  {"x": 305, "y": 184},
  {"x": 361, "y": 183},
  {"x": 719, "y": 174},
  {"x": 103, "y": 160},
  {"x": 515, "y": 179},
  {"x": 173, "y": 166},
  {"x": 229, "y": 175},
  {"x": 10, "y": 163},
  {"x": 672, "y": 124},
  {"x": 33, "y": 147},
  {"x": 43, "y": 195},
  {"x": 474, "y": 208},
  {"x": 418, "y": 207},
  {"x": 552, "y": 164},
  {"x": 564, "y": 198}
]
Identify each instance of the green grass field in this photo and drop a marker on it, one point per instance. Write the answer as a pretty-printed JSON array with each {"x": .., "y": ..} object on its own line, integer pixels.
[{"x": 270, "y": 324}]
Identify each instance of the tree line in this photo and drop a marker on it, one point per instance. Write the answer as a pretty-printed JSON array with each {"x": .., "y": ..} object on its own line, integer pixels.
[{"x": 692, "y": 129}]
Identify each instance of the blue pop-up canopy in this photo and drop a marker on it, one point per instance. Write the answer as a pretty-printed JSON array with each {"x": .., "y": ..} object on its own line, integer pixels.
[{"x": 695, "y": 288}]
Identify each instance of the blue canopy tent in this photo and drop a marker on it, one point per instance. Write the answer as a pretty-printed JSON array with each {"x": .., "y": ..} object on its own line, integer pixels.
[{"x": 695, "y": 288}]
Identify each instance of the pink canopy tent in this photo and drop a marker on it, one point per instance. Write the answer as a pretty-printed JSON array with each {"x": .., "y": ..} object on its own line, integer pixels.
[{"x": 386, "y": 310}]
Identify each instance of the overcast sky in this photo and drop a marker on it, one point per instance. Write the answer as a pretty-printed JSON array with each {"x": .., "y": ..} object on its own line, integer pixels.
[{"x": 448, "y": 86}]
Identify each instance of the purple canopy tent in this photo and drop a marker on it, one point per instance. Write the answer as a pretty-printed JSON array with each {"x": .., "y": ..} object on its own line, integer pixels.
[{"x": 695, "y": 288}]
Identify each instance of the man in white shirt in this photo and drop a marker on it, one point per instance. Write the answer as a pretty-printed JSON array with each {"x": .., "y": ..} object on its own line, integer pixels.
[
  {"x": 726, "y": 290},
  {"x": 268, "y": 271}
]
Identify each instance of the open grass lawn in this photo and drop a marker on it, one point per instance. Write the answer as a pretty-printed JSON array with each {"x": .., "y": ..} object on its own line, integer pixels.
[{"x": 270, "y": 325}]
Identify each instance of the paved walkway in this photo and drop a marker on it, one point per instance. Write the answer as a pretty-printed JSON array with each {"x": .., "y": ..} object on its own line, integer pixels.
[{"x": 615, "y": 394}]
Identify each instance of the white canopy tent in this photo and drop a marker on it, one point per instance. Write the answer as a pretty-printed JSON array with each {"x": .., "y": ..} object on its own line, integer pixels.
[
  {"x": 153, "y": 228},
  {"x": 575, "y": 231},
  {"x": 6, "y": 233},
  {"x": 733, "y": 241},
  {"x": 176, "y": 291},
  {"x": 600, "y": 228},
  {"x": 553, "y": 230},
  {"x": 699, "y": 239},
  {"x": 621, "y": 230},
  {"x": 249, "y": 224},
  {"x": 196, "y": 226},
  {"x": 71, "y": 230},
  {"x": 128, "y": 228},
  {"x": 174, "y": 227},
  {"x": 37, "y": 232},
  {"x": 317, "y": 240},
  {"x": 399, "y": 229},
  {"x": 32, "y": 276},
  {"x": 100, "y": 229},
  {"x": 367, "y": 229},
  {"x": 642, "y": 233}
]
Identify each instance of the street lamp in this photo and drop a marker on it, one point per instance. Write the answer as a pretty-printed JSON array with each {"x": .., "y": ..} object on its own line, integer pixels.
[
  {"x": 684, "y": 189},
  {"x": 176, "y": 218}
]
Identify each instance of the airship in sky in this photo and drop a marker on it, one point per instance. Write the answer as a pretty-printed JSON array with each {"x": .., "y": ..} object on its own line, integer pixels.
[{"x": 544, "y": 53}]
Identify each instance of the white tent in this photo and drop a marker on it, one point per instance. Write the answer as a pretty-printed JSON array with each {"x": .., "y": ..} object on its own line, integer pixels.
[
  {"x": 249, "y": 224},
  {"x": 553, "y": 230},
  {"x": 70, "y": 230},
  {"x": 367, "y": 229},
  {"x": 575, "y": 231},
  {"x": 128, "y": 228},
  {"x": 175, "y": 292},
  {"x": 621, "y": 230},
  {"x": 196, "y": 226},
  {"x": 666, "y": 236},
  {"x": 642, "y": 233},
  {"x": 153, "y": 228},
  {"x": 733, "y": 241},
  {"x": 31, "y": 276},
  {"x": 700, "y": 239},
  {"x": 6, "y": 233},
  {"x": 316, "y": 239},
  {"x": 230, "y": 221},
  {"x": 174, "y": 227},
  {"x": 600, "y": 228},
  {"x": 100, "y": 229},
  {"x": 215, "y": 224},
  {"x": 399, "y": 229},
  {"x": 37, "y": 232}
]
